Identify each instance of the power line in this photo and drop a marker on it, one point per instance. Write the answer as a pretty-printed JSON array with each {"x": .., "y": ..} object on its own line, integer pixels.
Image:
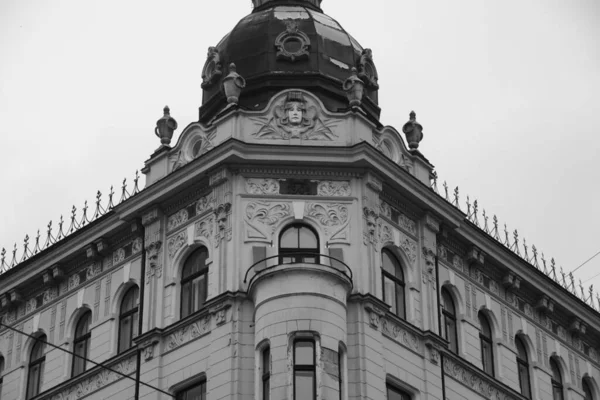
[
  {"x": 86, "y": 359},
  {"x": 598, "y": 274},
  {"x": 588, "y": 260}
]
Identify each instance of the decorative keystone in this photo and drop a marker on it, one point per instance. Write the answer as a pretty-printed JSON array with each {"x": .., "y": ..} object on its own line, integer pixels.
[
  {"x": 233, "y": 85},
  {"x": 354, "y": 88},
  {"x": 413, "y": 131},
  {"x": 165, "y": 127}
]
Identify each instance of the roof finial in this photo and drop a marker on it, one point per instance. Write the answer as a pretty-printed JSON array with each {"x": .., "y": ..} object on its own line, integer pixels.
[
  {"x": 165, "y": 127},
  {"x": 413, "y": 131}
]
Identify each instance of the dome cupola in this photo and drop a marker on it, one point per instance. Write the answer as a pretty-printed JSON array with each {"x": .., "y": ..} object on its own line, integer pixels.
[{"x": 288, "y": 44}]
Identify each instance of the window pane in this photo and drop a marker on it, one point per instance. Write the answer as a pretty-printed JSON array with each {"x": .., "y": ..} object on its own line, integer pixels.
[
  {"x": 555, "y": 371},
  {"x": 387, "y": 263},
  {"x": 307, "y": 239},
  {"x": 186, "y": 299},
  {"x": 400, "y": 300},
  {"x": 289, "y": 239},
  {"x": 304, "y": 353},
  {"x": 390, "y": 293},
  {"x": 486, "y": 354},
  {"x": 557, "y": 393},
  {"x": 394, "y": 394},
  {"x": 266, "y": 390},
  {"x": 194, "y": 393},
  {"x": 524, "y": 380},
  {"x": 587, "y": 391},
  {"x": 308, "y": 260},
  {"x": 266, "y": 361},
  {"x": 447, "y": 302},
  {"x": 125, "y": 334},
  {"x": 451, "y": 334},
  {"x": 304, "y": 385},
  {"x": 521, "y": 352},
  {"x": 199, "y": 289}
]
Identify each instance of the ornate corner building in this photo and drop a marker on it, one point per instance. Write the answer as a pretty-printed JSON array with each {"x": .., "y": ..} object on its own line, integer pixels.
[{"x": 290, "y": 246}]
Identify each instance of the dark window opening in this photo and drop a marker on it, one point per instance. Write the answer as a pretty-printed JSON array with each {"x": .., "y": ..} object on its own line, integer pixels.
[
  {"x": 266, "y": 373},
  {"x": 393, "y": 283},
  {"x": 523, "y": 367},
  {"x": 81, "y": 344},
  {"x": 37, "y": 361},
  {"x": 304, "y": 370},
  {"x": 449, "y": 321},
  {"x": 196, "y": 392},
  {"x": 128, "y": 319},
  {"x": 485, "y": 340},
  {"x": 194, "y": 282},
  {"x": 298, "y": 244}
]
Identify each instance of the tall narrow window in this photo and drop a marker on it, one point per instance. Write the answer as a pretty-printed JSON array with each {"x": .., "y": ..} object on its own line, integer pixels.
[
  {"x": 587, "y": 390},
  {"x": 393, "y": 283},
  {"x": 394, "y": 393},
  {"x": 194, "y": 282},
  {"x": 523, "y": 366},
  {"x": 298, "y": 244},
  {"x": 304, "y": 370},
  {"x": 557, "y": 384},
  {"x": 37, "y": 360},
  {"x": 485, "y": 340},
  {"x": 449, "y": 320},
  {"x": 341, "y": 369},
  {"x": 196, "y": 392},
  {"x": 128, "y": 319},
  {"x": 266, "y": 373},
  {"x": 1, "y": 374},
  {"x": 81, "y": 344}
]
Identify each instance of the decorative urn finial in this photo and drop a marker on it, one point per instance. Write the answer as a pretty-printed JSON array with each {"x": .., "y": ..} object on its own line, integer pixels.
[
  {"x": 233, "y": 85},
  {"x": 165, "y": 127},
  {"x": 413, "y": 131},
  {"x": 354, "y": 88}
]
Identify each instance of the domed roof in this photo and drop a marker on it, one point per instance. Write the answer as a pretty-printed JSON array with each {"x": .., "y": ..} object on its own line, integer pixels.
[{"x": 288, "y": 44}]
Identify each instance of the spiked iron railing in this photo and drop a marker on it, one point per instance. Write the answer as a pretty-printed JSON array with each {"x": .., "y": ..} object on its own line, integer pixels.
[
  {"x": 77, "y": 222},
  {"x": 549, "y": 269}
]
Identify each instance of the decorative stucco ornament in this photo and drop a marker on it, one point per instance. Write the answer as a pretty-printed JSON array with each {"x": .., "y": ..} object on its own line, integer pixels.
[
  {"x": 295, "y": 119},
  {"x": 212, "y": 70},
  {"x": 165, "y": 127},
  {"x": 413, "y": 131},
  {"x": 292, "y": 44},
  {"x": 366, "y": 69},
  {"x": 354, "y": 88},
  {"x": 233, "y": 85}
]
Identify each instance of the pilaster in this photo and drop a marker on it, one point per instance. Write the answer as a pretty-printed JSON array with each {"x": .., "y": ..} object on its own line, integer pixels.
[
  {"x": 430, "y": 227},
  {"x": 153, "y": 222}
]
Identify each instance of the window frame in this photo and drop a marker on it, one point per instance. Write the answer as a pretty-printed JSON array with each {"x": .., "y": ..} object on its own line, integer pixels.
[
  {"x": 398, "y": 283},
  {"x": 299, "y": 252},
  {"x": 556, "y": 384},
  {"x": 266, "y": 373},
  {"x": 129, "y": 314},
  {"x": 487, "y": 357},
  {"x": 187, "y": 284},
  {"x": 85, "y": 339},
  {"x": 39, "y": 364},
  {"x": 523, "y": 365},
  {"x": 448, "y": 316},
  {"x": 181, "y": 394},
  {"x": 305, "y": 367},
  {"x": 397, "y": 390}
]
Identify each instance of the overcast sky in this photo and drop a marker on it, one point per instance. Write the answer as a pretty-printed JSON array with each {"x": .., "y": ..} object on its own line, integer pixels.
[{"x": 508, "y": 93}]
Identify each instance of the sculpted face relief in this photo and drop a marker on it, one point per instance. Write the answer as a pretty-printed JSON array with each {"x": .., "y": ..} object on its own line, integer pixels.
[{"x": 294, "y": 113}]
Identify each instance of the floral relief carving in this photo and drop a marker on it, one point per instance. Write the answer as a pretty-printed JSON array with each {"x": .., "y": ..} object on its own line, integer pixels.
[
  {"x": 387, "y": 234},
  {"x": 333, "y": 217},
  {"x": 93, "y": 270},
  {"x": 400, "y": 335},
  {"x": 263, "y": 214},
  {"x": 203, "y": 143},
  {"x": 205, "y": 228},
  {"x": 31, "y": 305},
  {"x": 262, "y": 186},
  {"x": 385, "y": 209},
  {"x": 396, "y": 216},
  {"x": 95, "y": 382},
  {"x": 204, "y": 204},
  {"x": 188, "y": 333},
  {"x": 477, "y": 381},
  {"x": 334, "y": 188},
  {"x": 295, "y": 118},
  {"x": 50, "y": 294},
  {"x": 118, "y": 256},
  {"x": 73, "y": 281},
  {"x": 177, "y": 219},
  {"x": 176, "y": 242},
  {"x": 409, "y": 247}
]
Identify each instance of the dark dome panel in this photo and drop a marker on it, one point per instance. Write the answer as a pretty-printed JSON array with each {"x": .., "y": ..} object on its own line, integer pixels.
[{"x": 279, "y": 47}]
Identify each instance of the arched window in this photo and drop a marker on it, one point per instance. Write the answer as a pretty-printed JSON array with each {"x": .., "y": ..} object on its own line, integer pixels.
[
  {"x": 557, "y": 383},
  {"x": 128, "y": 318},
  {"x": 298, "y": 243},
  {"x": 81, "y": 344},
  {"x": 37, "y": 360},
  {"x": 523, "y": 366},
  {"x": 393, "y": 283},
  {"x": 449, "y": 320},
  {"x": 485, "y": 340},
  {"x": 194, "y": 282},
  {"x": 587, "y": 390}
]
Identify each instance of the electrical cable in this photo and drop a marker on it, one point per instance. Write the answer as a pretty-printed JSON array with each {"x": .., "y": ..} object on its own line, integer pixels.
[
  {"x": 86, "y": 359},
  {"x": 588, "y": 260},
  {"x": 587, "y": 280}
]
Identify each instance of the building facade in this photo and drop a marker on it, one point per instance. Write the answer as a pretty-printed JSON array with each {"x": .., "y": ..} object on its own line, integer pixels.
[{"x": 290, "y": 246}]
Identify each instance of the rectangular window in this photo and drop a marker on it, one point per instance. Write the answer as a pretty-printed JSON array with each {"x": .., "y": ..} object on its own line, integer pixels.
[
  {"x": 394, "y": 393},
  {"x": 304, "y": 370},
  {"x": 266, "y": 373},
  {"x": 196, "y": 392}
]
